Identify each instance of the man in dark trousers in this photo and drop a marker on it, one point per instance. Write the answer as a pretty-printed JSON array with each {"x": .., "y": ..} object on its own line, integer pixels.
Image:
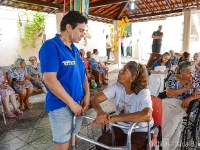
[{"x": 157, "y": 40}]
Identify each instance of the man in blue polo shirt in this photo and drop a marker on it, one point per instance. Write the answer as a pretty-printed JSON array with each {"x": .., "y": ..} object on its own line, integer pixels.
[{"x": 64, "y": 75}]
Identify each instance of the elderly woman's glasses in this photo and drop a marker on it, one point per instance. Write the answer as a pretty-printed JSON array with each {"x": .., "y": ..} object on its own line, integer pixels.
[{"x": 31, "y": 59}]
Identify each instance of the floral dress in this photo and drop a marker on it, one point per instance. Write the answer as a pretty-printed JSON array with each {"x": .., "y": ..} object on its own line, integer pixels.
[
  {"x": 19, "y": 75},
  {"x": 95, "y": 66},
  {"x": 5, "y": 92},
  {"x": 34, "y": 72},
  {"x": 174, "y": 84}
]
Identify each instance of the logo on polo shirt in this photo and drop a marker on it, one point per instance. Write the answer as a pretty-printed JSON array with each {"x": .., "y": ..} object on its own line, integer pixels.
[{"x": 68, "y": 62}]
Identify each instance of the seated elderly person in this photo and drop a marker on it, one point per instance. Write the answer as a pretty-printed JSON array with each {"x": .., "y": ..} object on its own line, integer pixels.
[
  {"x": 35, "y": 74},
  {"x": 197, "y": 66},
  {"x": 7, "y": 95},
  {"x": 20, "y": 80},
  {"x": 89, "y": 69},
  {"x": 174, "y": 59},
  {"x": 185, "y": 56},
  {"x": 163, "y": 61},
  {"x": 183, "y": 85},
  {"x": 95, "y": 66},
  {"x": 95, "y": 55},
  {"x": 133, "y": 104}
]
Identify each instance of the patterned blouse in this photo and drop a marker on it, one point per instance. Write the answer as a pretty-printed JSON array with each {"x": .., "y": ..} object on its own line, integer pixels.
[
  {"x": 19, "y": 75},
  {"x": 174, "y": 84},
  {"x": 95, "y": 66},
  {"x": 5, "y": 92},
  {"x": 197, "y": 73}
]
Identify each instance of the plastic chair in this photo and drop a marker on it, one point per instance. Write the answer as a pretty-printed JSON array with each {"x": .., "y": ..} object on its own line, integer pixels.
[
  {"x": 2, "y": 111},
  {"x": 157, "y": 115}
]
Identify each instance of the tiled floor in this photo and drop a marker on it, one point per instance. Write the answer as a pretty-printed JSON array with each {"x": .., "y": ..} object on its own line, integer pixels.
[{"x": 32, "y": 131}]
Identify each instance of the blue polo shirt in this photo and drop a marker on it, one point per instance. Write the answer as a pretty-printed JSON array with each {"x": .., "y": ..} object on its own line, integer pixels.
[{"x": 55, "y": 56}]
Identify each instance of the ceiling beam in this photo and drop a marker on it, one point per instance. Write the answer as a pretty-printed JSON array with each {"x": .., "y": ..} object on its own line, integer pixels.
[
  {"x": 121, "y": 10},
  {"x": 182, "y": 3},
  {"x": 157, "y": 14},
  {"x": 158, "y": 5},
  {"x": 138, "y": 8},
  {"x": 147, "y": 6},
  {"x": 38, "y": 2},
  {"x": 100, "y": 16},
  {"x": 106, "y": 2},
  {"x": 168, "y": 4}
]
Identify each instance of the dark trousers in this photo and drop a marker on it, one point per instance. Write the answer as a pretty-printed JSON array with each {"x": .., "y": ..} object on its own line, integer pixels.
[
  {"x": 137, "y": 139},
  {"x": 156, "y": 48},
  {"x": 108, "y": 52},
  {"x": 129, "y": 51},
  {"x": 122, "y": 50}
]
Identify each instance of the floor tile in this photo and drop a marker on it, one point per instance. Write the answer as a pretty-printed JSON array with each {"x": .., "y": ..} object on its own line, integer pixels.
[{"x": 12, "y": 144}]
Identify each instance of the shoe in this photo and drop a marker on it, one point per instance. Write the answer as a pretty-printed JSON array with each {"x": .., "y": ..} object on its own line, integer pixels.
[
  {"x": 10, "y": 116},
  {"x": 18, "y": 112}
]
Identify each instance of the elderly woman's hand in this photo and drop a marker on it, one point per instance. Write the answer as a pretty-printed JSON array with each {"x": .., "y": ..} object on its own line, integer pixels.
[
  {"x": 185, "y": 103},
  {"x": 25, "y": 82},
  {"x": 196, "y": 93},
  {"x": 101, "y": 119},
  {"x": 190, "y": 85}
]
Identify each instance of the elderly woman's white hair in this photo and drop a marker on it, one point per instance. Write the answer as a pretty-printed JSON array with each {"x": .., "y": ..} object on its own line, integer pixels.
[
  {"x": 32, "y": 57},
  {"x": 184, "y": 66},
  {"x": 18, "y": 63}
]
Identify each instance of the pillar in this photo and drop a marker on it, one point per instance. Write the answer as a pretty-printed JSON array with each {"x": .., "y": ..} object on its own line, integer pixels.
[
  {"x": 117, "y": 53},
  {"x": 186, "y": 30},
  {"x": 59, "y": 17}
]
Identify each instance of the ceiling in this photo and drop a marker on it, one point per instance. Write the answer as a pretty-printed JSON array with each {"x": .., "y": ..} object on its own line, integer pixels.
[{"x": 109, "y": 10}]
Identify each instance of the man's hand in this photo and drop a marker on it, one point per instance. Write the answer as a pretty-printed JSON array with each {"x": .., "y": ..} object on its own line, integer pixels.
[
  {"x": 101, "y": 119},
  {"x": 196, "y": 93},
  {"x": 85, "y": 102},
  {"x": 76, "y": 108}
]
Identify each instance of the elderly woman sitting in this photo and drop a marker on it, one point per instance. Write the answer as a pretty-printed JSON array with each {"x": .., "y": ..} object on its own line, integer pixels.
[
  {"x": 35, "y": 75},
  {"x": 163, "y": 61},
  {"x": 20, "y": 81},
  {"x": 183, "y": 85},
  {"x": 7, "y": 95},
  {"x": 133, "y": 104},
  {"x": 197, "y": 66},
  {"x": 95, "y": 66}
]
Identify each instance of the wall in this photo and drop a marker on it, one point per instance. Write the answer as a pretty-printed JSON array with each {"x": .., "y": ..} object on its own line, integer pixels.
[{"x": 10, "y": 44}]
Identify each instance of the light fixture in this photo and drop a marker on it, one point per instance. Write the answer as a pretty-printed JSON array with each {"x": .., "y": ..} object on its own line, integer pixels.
[{"x": 132, "y": 4}]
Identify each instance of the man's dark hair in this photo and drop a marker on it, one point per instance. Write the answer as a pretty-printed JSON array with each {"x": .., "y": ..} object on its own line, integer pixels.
[
  {"x": 106, "y": 36},
  {"x": 72, "y": 18}
]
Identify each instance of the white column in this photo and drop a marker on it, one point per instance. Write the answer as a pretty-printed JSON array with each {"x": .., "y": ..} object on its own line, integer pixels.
[
  {"x": 117, "y": 54},
  {"x": 186, "y": 31},
  {"x": 59, "y": 17}
]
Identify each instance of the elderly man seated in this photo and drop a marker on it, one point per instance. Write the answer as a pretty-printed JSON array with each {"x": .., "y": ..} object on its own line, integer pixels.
[{"x": 133, "y": 104}]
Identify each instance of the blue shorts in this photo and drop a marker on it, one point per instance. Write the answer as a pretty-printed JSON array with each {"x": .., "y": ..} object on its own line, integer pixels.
[{"x": 61, "y": 121}]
